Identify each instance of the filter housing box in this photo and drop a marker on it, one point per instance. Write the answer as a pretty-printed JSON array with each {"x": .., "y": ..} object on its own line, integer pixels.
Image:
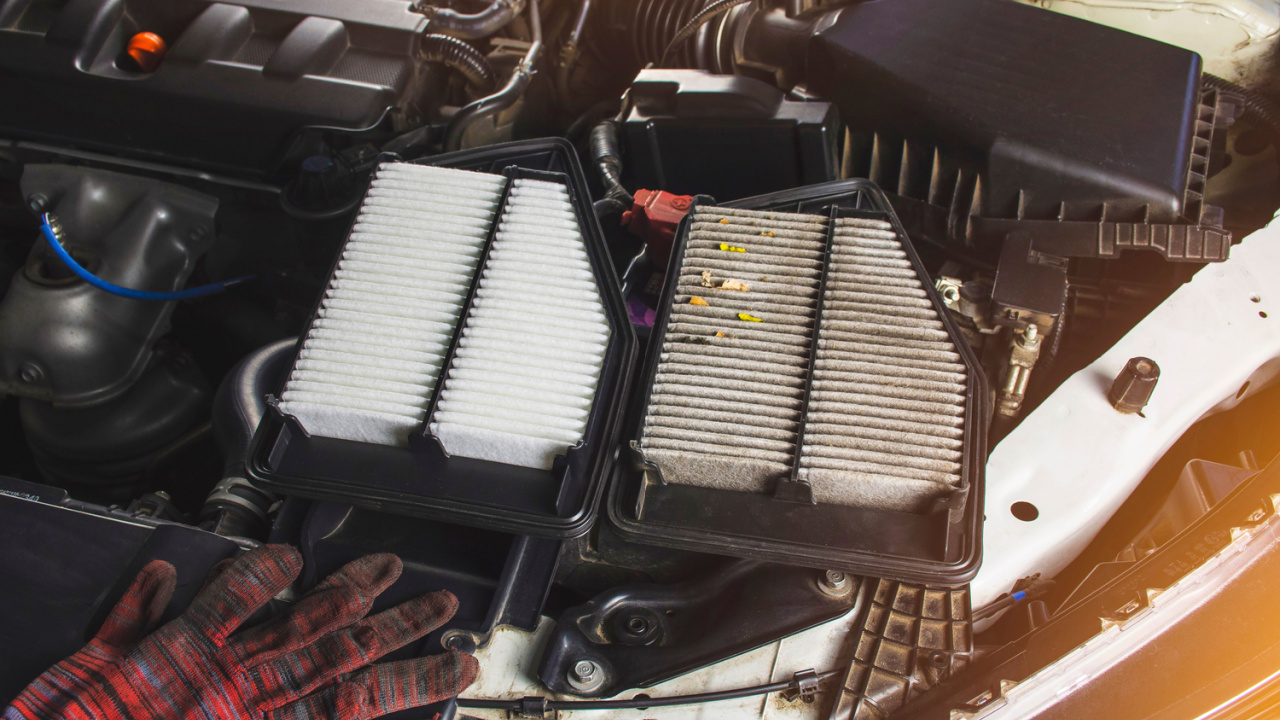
[{"x": 935, "y": 542}]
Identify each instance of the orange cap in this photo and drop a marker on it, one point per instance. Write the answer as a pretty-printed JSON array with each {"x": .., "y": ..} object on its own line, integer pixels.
[{"x": 147, "y": 49}]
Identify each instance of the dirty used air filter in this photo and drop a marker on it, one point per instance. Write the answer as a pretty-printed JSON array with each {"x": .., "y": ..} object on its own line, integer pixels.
[
  {"x": 466, "y": 359},
  {"x": 809, "y": 399}
]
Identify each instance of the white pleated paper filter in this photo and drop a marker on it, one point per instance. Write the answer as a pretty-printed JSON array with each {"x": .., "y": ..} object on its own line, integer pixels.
[
  {"x": 523, "y": 378},
  {"x": 370, "y": 360}
]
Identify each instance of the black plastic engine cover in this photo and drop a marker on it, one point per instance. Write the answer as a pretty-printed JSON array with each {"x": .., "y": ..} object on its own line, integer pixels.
[
  {"x": 238, "y": 79},
  {"x": 1048, "y": 114}
]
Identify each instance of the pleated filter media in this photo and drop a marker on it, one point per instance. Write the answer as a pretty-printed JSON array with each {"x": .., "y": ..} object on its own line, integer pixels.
[
  {"x": 370, "y": 360},
  {"x": 522, "y": 382},
  {"x": 878, "y": 421},
  {"x": 727, "y": 400},
  {"x": 885, "y": 425},
  {"x": 523, "y": 376}
]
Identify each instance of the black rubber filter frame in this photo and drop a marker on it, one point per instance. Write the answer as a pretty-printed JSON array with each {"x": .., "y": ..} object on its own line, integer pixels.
[
  {"x": 422, "y": 479},
  {"x": 942, "y": 546}
]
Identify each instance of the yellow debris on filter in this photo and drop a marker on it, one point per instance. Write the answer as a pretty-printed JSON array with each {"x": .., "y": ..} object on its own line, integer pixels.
[
  {"x": 724, "y": 221},
  {"x": 769, "y": 233},
  {"x": 695, "y": 300},
  {"x": 749, "y": 318},
  {"x": 706, "y": 279},
  {"x": 731, "y": 248},
  {"x": 720, "y": 334},
  {"x": 735, "y": 285}
]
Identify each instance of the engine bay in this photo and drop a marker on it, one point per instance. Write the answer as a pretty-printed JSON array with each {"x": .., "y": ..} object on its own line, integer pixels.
[{"x": 841, "y": 349}]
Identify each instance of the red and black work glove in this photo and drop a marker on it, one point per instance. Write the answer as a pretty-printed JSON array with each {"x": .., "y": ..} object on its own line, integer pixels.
[{"x": 309, "y": 664}]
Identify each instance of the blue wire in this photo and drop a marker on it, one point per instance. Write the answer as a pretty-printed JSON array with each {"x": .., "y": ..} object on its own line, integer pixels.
[{"x": 47, "y": 230}]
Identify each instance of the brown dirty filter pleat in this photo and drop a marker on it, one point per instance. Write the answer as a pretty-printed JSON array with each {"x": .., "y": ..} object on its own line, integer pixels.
[
  {"x": 885, "y": 425},
  {"x": 726, "y": 405}
]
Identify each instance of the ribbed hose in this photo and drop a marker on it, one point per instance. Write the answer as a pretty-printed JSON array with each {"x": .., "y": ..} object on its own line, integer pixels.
[
  {"x": 690, "y": 28},
  {"x": 649, "y": 27},
  {"x": 483, "y": 24},
  {"x": 461, "y": 57},
  {"x": 504, "y": 98},
  {"x": 1257, "y": 107},
  {"x": 607, "y": 155}
]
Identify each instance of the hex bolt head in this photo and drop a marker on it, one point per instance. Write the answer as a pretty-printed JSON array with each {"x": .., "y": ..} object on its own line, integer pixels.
[
  {"x": 835, "y": 583},
  {"x": 1133, "y": 387},
  {"x": 584, "y": 670},
  {"x": 30, "y": 373},
  {"x": 585, "y": 676}
]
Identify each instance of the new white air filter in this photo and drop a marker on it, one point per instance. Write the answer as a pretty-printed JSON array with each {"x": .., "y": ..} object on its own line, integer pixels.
[
  {"x": 523, "y": 377},
  {"x": 370, "y": 360}
]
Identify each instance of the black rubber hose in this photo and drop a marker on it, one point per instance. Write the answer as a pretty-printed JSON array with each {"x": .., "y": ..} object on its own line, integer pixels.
[
  {"x": 606, "y": 153},
  {"x": 504, "y": 98},
  {"x": 235, "y": 506},
  {"x": 691, "y": 27},
  {"x": 483, "y": 24},
  {"x": 460, "y": 56},
  {"x": 1257, "y": 107}
]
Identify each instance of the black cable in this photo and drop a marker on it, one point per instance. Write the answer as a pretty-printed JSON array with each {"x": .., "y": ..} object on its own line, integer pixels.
[
  {"x": 707, "y": 13},
  {"x": 642, "y": 703},
  {"x": 606, "y": 153},
  {"x": 1255, "y": 105}
]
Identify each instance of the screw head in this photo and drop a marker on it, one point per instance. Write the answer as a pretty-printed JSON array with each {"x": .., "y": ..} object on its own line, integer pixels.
[
  {"x": 30, "y": 373},
  {"x": 835, "y": 583},
  {"x": 37, "y": 203},
  {"x": 680, "y": 203},
  {"x": 585, "y": 669},
  {"x": 586, "y": 676}
]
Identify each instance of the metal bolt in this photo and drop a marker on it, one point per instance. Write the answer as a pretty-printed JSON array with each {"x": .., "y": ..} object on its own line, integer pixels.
[
  {"x": 37, "y": 203},
  {"x": 834, "y": 583},
  {"x": 30, "y": 373},
  {"x": 585, "y": 670},
  {"x": 586, "y": 676},
  {"x": 1029, "y": 338},
  {"x": 198, "y": 233}
]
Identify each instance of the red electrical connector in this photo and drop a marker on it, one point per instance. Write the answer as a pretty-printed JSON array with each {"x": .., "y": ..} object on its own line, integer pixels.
[{"x": 654, "y": 218}]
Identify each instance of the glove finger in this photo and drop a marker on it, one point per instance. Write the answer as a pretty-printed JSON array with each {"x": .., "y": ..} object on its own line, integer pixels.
[
  {"x": 339, "y": 701},
  {"x": 248, "y": 584},
  {"x": 411, "y": 620},
  {"x": 339, "y": 600},
  {"x": 391, "y": 687},
  {"x": 291, "y": 676},
  {"x": 139, "y": 609},
  {"x": 387, "y": 688}
]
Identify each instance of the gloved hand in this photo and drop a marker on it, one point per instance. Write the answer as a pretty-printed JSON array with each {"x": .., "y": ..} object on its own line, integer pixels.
[{"x": 307, "y": 665}]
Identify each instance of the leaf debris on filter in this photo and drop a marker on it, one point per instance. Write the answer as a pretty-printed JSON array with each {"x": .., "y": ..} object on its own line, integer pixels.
[
  {"x": 724, "y": 221},
  {"x": 720, "y": 334},
  {"x": 749, "y": 318},
  {"x": 731, "y": 248},
  {"x": 706, "y": 279},
  {"x": 695, "y": 300},
  {"x": 735, "y": 285},
  {"x": 768, "y": 233}
]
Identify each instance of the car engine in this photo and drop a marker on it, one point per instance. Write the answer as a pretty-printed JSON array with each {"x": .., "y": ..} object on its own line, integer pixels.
[{"x": 861, "y": 354}]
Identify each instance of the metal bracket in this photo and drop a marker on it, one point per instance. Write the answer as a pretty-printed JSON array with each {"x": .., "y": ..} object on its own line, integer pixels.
[{"x": 639, "y": 635}]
